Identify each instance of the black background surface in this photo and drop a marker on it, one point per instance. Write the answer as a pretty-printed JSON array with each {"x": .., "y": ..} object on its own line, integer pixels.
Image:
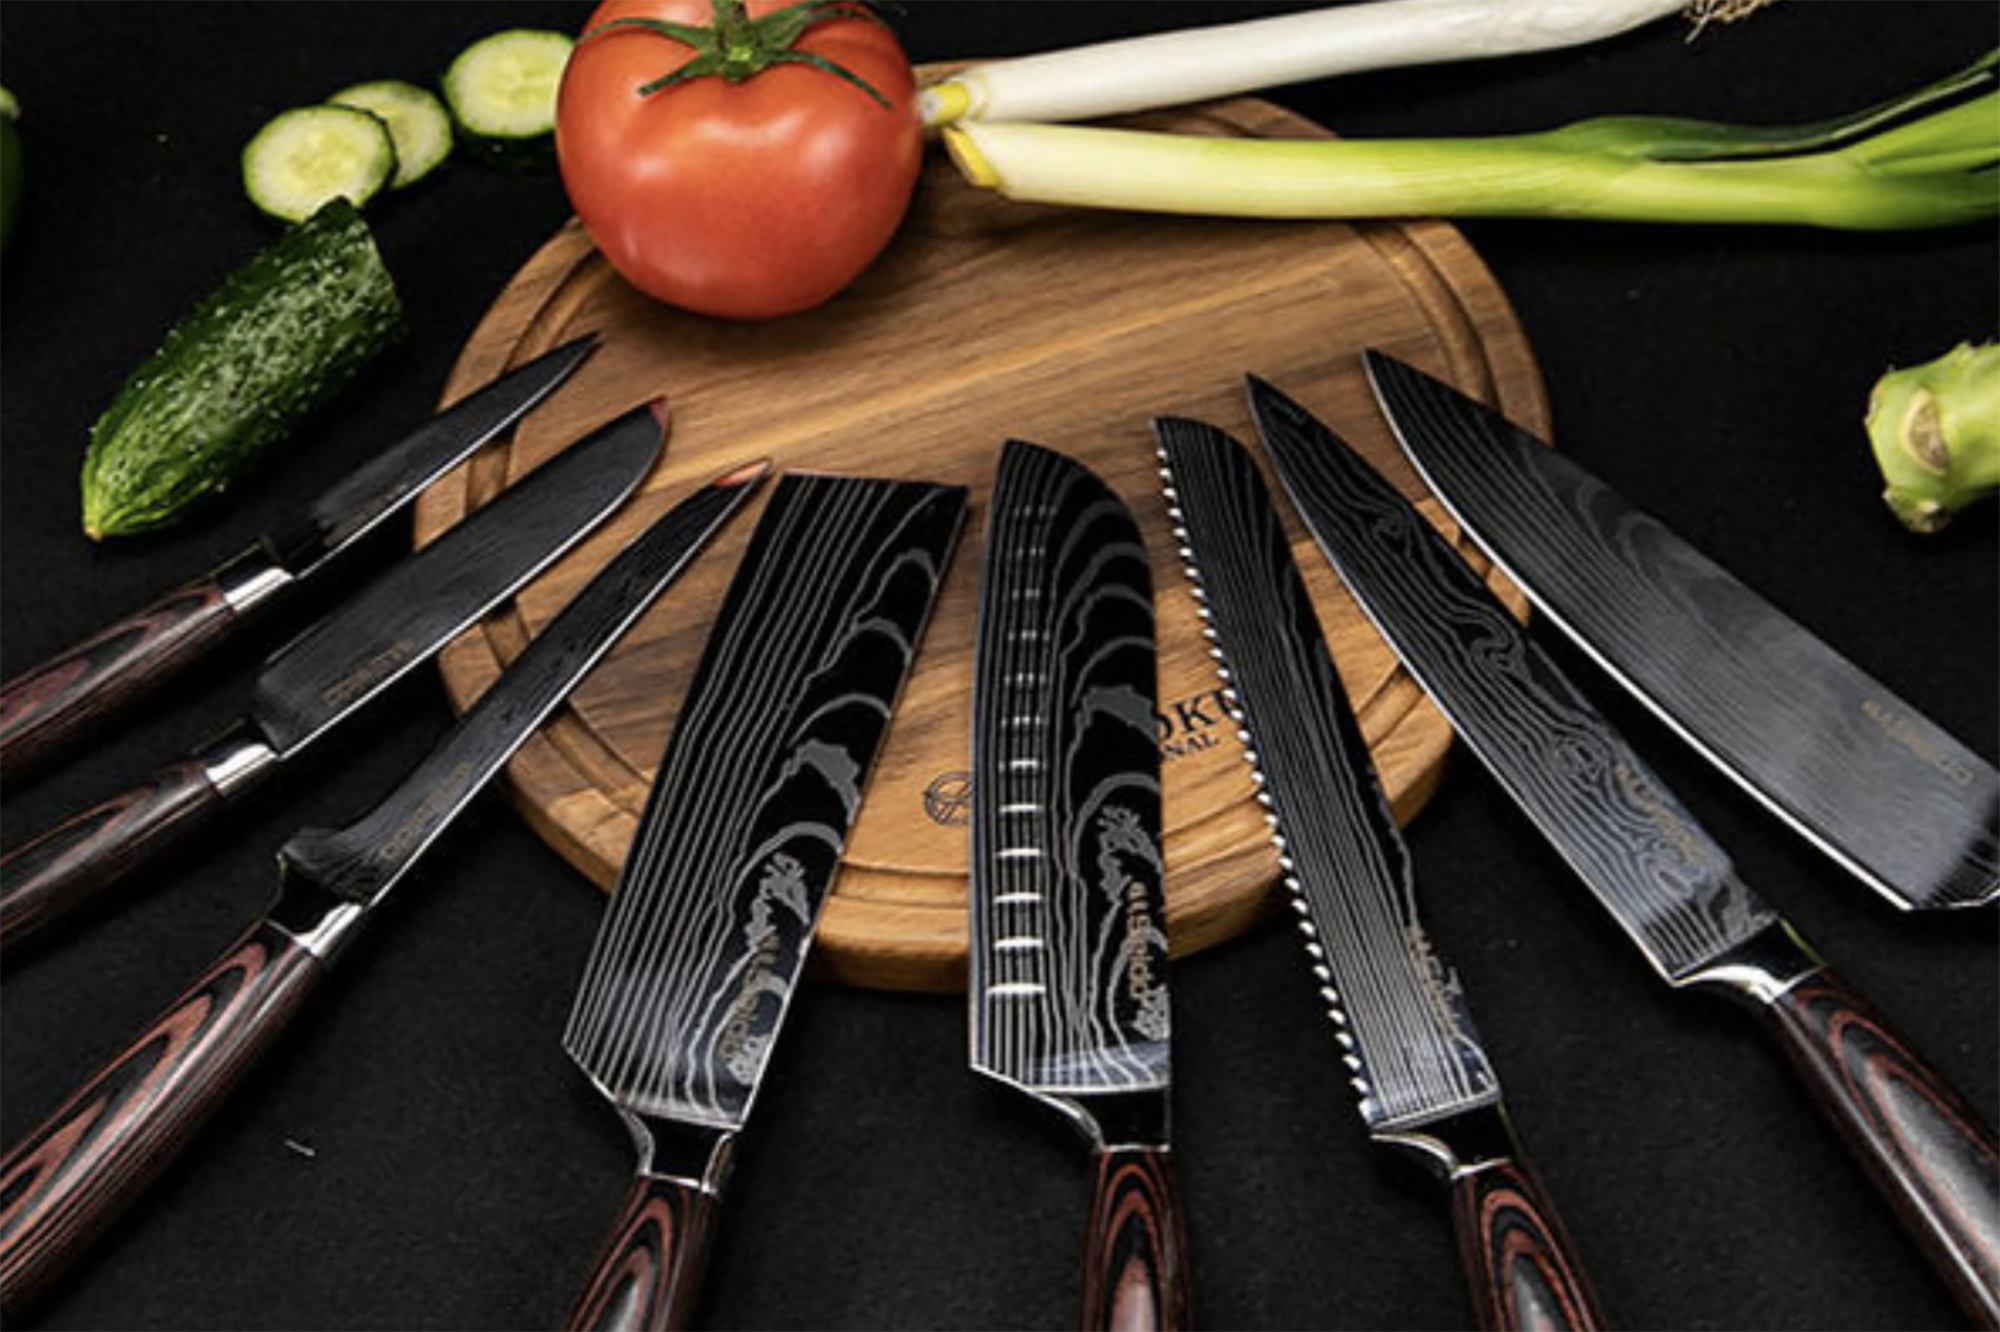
[{"x": 419, "y": 1153}]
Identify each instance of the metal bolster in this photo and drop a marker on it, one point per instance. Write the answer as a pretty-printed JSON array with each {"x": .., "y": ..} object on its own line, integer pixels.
[
  {"x": 1110, "y": 1120},
  {"x": 317, "y": 919},
  {"x": 697, "y": 1154},
  {"x": 250, "y": 579},
  {"x": 1453, "y": 1146},
  {"x": 235, "y": 758},
  {"x": 1761, "y": 969}
]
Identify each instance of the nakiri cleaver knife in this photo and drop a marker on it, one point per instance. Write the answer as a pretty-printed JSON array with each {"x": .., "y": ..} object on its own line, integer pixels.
[
  {"x": 698, "y": 957},
  {"x": 1664, "y": 881},
  {"x": 52, "y": 707},
  {"x": 66, "y": 1181},
  {"x": 1068, "y": 942},
  {"x": 1861, "y": 773},
  {"x": 1425, "y": 1084},
  {"x": 306, "y": 688}
]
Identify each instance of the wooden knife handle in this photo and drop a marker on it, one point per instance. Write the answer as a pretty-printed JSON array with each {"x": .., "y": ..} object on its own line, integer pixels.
[
  {"x": 1521, "y": 1270},
  {"x": 53, "y": 706},
  {"x": 1135, "y": 1258},
  {"x": 77, "y": 860},
  {"x": 63, "y": 1184},
  {"x": 648, "y": 1276},
  {"x": 1926, "y": 1149}
]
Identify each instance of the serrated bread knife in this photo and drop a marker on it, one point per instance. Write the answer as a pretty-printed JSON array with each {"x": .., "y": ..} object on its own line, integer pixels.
[
  {"x": 1068, "y": 954},
  {"x": 1860, "y": 772},
  {"x": 1663, "y": 879},
  {"x": 698, "y": 957},
  {"x": 54, "y": 706},
  {"x": 66, "y": 1181},
  {"x": 1425, "y": 1084},
  {"x": 308, "y": 687}
]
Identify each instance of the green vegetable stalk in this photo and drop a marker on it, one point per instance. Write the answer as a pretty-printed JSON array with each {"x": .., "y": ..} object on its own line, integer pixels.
[
  {"x": 13, "y": 171},
  {"x": 1935, "y": 429},
  {"x": 279, "y": 338},
  {"x": 1926, "y": 159}
]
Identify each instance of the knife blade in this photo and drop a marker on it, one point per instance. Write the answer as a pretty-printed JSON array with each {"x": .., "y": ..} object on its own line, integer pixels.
[
  {"x": 1068, "y": 958},
  {"x": 375, "y": 638},
  {"x": 1666, "y": 883},
  {"x": 697, "y": 960},
  {"x": 1425, "y": 1083},
  {"x": 67, "y": 1180},
  {"x": 1863, "y": 774},
  {"x": 52, "y": 707}
]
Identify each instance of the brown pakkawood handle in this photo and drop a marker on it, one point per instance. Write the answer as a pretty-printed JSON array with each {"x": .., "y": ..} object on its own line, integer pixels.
[
  {"x": 1520, "y": 1268},
  {"x": 68, "y": 1179},
  {"x": 1135, "y": 1259},
  {"x": 56, "y": 703},
  {"x": 77, "y": 860},
  {"x": 649, "y": 1275},
  {"x": 1927, "y": 1150}
]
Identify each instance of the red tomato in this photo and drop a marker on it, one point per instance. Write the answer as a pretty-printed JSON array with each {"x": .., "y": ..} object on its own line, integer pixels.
[{"x": 747, "y": 199}]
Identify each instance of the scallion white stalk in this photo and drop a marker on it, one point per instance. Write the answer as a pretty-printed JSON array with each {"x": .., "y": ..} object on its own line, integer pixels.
[
  {"x": 1927, "y": 159},
  {"x": 1170, "y": 69}
]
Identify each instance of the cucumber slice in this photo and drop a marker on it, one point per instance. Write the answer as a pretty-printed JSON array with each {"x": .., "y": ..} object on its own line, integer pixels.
[
  {"x": 502, "y": 93},
  {"x": 418, "y": 125},
  {"x": 306, "y": 156}
]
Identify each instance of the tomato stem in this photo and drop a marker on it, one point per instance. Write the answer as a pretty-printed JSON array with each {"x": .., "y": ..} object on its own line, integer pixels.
[{"x": 736, "y": 47}]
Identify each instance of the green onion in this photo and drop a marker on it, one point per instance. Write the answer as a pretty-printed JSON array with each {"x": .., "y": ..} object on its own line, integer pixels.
[
  {"x": 1926, "y": 159},
  {"x": 1172, "y": 68},
  {"x": 1935, "y": 430}
]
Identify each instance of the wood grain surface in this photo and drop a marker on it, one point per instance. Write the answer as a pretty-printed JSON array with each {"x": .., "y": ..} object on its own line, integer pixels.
[{"x": 984, "y": 320}]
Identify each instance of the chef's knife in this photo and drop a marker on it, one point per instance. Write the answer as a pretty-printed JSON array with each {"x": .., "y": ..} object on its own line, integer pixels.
[
  {"x": 1666, "y": 883},
  {"x": 698, "y": 957},
  {"x": 1425, "y": 1083},
  {"x": 374, "y": 639},
  {"x": 1068, "y": 957},
  {"x": 51, "y": 707},
  {"x": 63, "y": 1183},
  {"x": 1864, "y": 775}
]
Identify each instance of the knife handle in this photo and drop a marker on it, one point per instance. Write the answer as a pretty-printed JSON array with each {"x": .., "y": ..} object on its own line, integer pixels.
[
  {"x": 66, "y": 1181},
  {"x": 1135, "y": 1257},
  {"x": 53, "y": 706},
  {"x": 648, "y": 1276},
  {"x": 1926, "y": 1149},
  {"x": 1520, "y": 1267},
  {"x": 76, "y": 861}
]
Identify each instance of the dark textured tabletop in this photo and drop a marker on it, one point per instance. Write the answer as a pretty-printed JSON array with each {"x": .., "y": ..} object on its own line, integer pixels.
[{"x": 420, "y": 1154}]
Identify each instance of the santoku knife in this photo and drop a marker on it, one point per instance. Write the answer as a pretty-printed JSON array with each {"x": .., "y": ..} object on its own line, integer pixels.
[
  {"x": 67, "y": 1180},
  {"x": 1863, "y": 774},
  {"x": 51, "y": 707},
  {"x": 1425, "y": 1084},
  {"x": 1068, "y": 956},
  {"x": 375, "y": 638},
  {"x": 698, "y": 957},
  {"x": 1666, "y": 883}
]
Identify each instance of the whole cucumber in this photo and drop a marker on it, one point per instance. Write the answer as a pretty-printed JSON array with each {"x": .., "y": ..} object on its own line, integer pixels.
[
  {"x": 281, "y": 336},
  {"x": 13, "y": 171}
]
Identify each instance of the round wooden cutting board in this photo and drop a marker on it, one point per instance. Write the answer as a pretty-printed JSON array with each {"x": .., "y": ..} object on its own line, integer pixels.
[{"x": 985, "y": 320}]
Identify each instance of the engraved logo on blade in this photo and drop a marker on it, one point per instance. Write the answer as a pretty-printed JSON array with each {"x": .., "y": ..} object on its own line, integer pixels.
[
  {"x": 369, "y": 674},
  {"x": 745, "y": 1040},
  {"x": 1900, "y": 728},
  {"x": 1123, "y": 835}
]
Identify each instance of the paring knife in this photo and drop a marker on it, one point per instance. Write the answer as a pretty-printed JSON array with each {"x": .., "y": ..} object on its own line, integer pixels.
[
  {"x": 67, "y": 1180},
  {"x": 1864, "y": 775},
  {"x": 325, "y": 675},
  {"x": 1068, "y": 958},
  {"x": 1666, "y": 883},
  {"x": 698, "y": 957},
  {"x": 1425, "y": 1084},
  {"x": 51, "y": 707}
]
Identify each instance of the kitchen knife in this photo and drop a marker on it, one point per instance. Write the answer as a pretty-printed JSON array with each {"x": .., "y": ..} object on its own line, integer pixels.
[
  {"x": 307, "y": 687},
  {"x": 51, "y": 707},
  {"x": 698, "y": 957},
  {"x": 1424, "y": 1080},
  {"x": 1666, "y": 883},
  {"x": 1068, "y": 957},
  {"x": 63, "y": 1183},
  {"x": 1864, "y": 775}
]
